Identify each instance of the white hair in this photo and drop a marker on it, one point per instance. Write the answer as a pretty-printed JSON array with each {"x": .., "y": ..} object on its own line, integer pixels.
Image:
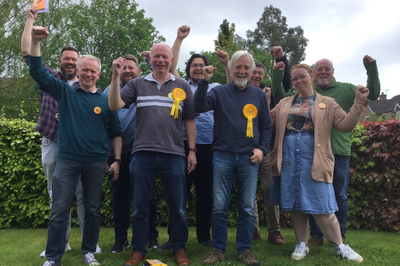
[{"x": 237, "y": 55}]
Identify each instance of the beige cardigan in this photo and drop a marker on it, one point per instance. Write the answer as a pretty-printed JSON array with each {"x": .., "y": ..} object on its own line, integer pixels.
[{"x": 325, "y": 114}]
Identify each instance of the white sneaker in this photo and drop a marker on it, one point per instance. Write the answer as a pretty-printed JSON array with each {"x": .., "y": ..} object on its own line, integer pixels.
[
  {"x": 52, "y": 263},
  {"x": 67, "y": 248},
  {"x": 90, "y": 260},
  {"x": 300, "y": 251},
  {"x": 98, "y": 249},
  {"x": 345, "y": 252}
]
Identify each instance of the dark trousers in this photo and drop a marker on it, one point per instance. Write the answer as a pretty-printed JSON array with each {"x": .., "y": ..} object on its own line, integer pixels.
[
  {"x": 202, "y": 177},
  {"x": 121, "y": 192}
]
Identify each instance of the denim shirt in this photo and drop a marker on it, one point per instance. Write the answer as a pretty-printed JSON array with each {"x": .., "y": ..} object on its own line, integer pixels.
[{"x": 204, "y": 122}]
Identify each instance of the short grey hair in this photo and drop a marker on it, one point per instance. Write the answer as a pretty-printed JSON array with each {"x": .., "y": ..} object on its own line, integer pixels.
[
  {"x": 91, "y": 57},
  {"x": 237, "y": 55}
]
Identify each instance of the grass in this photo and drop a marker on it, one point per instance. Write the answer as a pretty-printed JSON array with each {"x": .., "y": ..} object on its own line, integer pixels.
[{"x": 23, "y": 246}]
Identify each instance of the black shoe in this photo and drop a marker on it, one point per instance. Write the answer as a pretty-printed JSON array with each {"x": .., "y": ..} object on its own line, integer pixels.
[
  {"x": 207, "y": 243},
  {"x": 166, "y": 246},
  {"x": 120, "y": 245},
  {"x": 152, "y": 243}
]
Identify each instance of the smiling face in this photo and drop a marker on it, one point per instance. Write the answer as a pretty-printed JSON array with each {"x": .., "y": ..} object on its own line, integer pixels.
[
  {"x": 257, "y": 76},
  {"x": 67, "y": 63},
  {"x": 130, "y": 70},
  {"x": 161, "y": 59},
  {"x": 323, "y": 71},
  {"x": 88, "y": 72},
  {"x": 302, "y": 80},
  {"x": 196, "y": 69},
  {"x": 241, "y": 71}
]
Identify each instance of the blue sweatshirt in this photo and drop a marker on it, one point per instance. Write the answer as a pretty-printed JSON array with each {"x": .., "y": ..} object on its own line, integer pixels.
[
  {"x": 82, "y": 130},
  {"x": 230, "y": 124}
]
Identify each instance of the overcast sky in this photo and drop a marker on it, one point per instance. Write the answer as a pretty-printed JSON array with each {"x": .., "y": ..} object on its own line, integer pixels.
[{"x": 340, "y": 30}]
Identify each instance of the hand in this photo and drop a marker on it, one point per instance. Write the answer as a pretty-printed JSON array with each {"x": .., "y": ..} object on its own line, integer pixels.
[
  {"x": 208, "y": 72},
  {"x": 279, "y": 66},
  {"x": 368, "y": 59},
  {"x": 191, "y": 162},
  {"x": 117, "y": 66},
  {"x": 56, "y": 116},
  {"x": 362, "y": 92},
  {"x": 183, "y": 32},
  {"x": 31, "y": 12},
  {"x": 276, "y": 51},
  {"x": 257, "y": 156},
  {"x": 223, "y": 57},
  {"x": 145, "y": 54},
  {"x": 267, "y": 91},
  {"x": 114, "y": 167},
  {"x": 39, "y": 33}
]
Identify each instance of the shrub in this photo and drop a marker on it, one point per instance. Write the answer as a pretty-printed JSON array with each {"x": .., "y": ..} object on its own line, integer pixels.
[{"x": 374, "y": 197}]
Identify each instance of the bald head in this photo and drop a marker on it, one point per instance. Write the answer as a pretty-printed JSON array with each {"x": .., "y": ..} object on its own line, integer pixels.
[
  {"x": 323, "y": 72},
  {"x": 161, "y": 58}
]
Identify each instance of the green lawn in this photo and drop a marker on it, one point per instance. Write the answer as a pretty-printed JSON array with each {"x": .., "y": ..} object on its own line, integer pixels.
[{"x": 23, "y": 246}]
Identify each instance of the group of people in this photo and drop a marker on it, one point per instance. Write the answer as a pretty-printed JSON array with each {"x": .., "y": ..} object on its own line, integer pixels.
[{"x": 195, "y": 131}]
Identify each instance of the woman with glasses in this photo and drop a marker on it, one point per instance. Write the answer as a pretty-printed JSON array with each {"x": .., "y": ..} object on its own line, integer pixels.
[{"x": 302, "y": 158}]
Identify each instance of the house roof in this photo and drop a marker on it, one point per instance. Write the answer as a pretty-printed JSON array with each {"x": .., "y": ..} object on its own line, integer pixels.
[{"x": 385, "y": 106}]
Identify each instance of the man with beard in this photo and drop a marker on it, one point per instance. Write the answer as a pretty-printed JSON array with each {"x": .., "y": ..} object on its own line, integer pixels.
[
  {"x": 47, "y": 124},
  {"x": 202, "y": 176},
  {"x": 163, "y": 104},
  {"x": 271, "y": 211},
  {"x": 241, "y": 137},
  {"x": 344, "y": 94},
  {"x": 121, "y": 187}
]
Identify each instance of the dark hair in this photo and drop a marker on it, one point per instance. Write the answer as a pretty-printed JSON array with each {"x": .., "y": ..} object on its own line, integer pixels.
[
  {"x": 189, "y": 63},
  {"x": 68, "y": 48},
  {"x": 259, "y": 64},
  {"x": 131, "y": 57}
]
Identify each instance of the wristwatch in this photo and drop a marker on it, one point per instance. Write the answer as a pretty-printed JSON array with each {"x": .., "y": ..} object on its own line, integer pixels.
[
  {"x": 195, "y": 150},
  {"x": 118, "y": 160}
]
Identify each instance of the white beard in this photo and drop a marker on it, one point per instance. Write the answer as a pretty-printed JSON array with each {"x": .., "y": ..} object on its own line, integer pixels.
[{"x": 242, "y": 82}]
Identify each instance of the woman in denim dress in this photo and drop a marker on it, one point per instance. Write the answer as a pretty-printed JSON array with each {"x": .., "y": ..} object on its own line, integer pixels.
[{"x": 302, "y": 158}]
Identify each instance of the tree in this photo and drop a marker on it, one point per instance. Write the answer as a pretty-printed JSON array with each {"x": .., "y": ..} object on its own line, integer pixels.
[
  {"x": 16, "y": 86},
  {"x": 272, "y": 30},
  {"x": 118, "y": 28}
]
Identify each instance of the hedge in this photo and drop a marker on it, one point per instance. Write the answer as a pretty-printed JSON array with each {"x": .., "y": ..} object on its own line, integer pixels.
[{"x": 374, "y": 197}]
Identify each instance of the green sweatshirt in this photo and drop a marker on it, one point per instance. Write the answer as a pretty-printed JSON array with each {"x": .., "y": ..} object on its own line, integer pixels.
[{"x": 343, "y": 93}]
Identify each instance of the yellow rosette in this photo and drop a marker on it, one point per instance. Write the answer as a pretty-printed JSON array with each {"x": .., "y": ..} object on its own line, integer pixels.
[
  {"x": 250, "y": 112},
  {"x": 178, "y": 95}
]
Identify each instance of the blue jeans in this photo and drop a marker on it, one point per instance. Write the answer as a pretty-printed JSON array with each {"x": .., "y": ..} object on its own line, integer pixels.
[
  {"x": 121, "y": 192},
  {"x": 49, "y": 160},
  {"x": 145, "y": 166},
  {"x": 227, "y": 165},
  {"x": 341, "y": 187},
  {"x": 65, "y": 178}
]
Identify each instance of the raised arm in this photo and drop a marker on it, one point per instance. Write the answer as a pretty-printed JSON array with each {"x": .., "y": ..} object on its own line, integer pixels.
[
  {"x": 114, "y": 96},
  {"x": 373, "y": 83},
  {"x": 223, "y": 58},
  {"x": 183, "y": 32},
  {"x": 38, "y": 34},
  {"x": 278, "y": 91},
  {"x": 202, "y": 103},
  {"x": 277, "y": 52},
  {"x": 31, "y": 14}
]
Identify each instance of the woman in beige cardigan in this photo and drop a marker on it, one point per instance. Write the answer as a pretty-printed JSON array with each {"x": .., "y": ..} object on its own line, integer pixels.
[{"x": 302, "y": 159}]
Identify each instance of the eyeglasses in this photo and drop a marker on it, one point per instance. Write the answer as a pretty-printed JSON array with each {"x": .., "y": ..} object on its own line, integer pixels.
[
  {"x": 302, "y": 77},
  {"x": 197, "y": 65}
]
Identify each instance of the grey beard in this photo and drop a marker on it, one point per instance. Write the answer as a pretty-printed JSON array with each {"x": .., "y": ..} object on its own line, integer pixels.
[{"x": 241, "y": 83}]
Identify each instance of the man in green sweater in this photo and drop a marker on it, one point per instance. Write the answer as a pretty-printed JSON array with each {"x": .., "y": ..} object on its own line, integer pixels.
[
  {"x": 85, "y": 124},
  {"x": 343, "y": 93}
]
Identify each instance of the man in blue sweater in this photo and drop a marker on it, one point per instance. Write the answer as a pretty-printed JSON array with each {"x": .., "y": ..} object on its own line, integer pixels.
[
  {"x": 241, "y": 137},
  {"x": 85, "y": 123}
]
